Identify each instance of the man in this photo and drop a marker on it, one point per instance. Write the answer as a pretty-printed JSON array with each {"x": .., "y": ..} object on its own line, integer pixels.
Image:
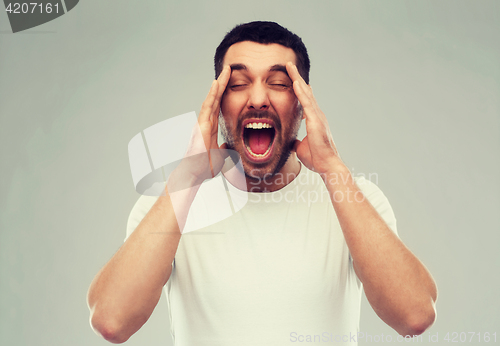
[{"x": 285, "y": 265}]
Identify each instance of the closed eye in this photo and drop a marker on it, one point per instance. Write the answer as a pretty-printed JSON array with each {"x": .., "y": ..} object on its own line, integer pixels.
[
  {"x": 279, "y": 86},
  {"x": 237, "y": 86}
]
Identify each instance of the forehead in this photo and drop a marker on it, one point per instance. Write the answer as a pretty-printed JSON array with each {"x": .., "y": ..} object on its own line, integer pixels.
[{"x": 258, "y": 56}]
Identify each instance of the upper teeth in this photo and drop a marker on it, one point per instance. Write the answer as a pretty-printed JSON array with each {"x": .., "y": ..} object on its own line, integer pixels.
[{"x": 258, "y": 126}]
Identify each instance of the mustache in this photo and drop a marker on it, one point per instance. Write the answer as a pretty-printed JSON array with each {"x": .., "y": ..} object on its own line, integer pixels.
[{"x": 255, "y": 114}]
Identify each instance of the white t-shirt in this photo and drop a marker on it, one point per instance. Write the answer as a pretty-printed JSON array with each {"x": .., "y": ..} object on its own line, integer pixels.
[{"x": 276, "y": 272}]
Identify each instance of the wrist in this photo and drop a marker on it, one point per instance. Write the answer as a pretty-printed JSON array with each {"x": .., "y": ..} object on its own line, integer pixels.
[
  {"x": 181, "y": 180},
  {"x": 337, "y": 166},
  {"x": 337, "y": 175}
]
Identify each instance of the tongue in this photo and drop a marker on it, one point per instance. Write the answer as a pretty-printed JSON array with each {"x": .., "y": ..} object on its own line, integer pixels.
[{"x": 259, "y": 140}]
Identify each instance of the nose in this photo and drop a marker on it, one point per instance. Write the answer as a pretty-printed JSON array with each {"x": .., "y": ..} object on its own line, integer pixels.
[{"x": 258, "y": 98}]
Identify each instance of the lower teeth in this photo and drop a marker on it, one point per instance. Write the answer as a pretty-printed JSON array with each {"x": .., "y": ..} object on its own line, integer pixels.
[{"x": 257, "y": 155}]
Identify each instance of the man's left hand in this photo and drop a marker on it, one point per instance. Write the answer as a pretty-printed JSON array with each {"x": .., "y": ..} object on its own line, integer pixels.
[{"x": 317, "y": 151}]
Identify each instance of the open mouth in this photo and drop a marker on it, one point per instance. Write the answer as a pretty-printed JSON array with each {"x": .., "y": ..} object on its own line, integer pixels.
[{"x": 258, "y": 137}]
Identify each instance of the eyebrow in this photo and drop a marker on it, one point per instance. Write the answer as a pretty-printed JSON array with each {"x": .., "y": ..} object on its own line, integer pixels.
[
  {"x": 276, "y": 67},
  {"x": 238, "y": 67},
  {"x": 280, "y": 68}
]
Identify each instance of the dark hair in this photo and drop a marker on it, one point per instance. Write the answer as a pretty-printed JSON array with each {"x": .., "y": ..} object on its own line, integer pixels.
[{"x": 265, "y": 33}]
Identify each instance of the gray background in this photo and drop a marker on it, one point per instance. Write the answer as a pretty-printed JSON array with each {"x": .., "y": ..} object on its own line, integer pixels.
[{"x": 411, "y": 91}]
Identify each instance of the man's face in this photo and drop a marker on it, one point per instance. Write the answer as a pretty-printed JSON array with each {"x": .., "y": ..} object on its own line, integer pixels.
[{"x": 260, "y": 112}]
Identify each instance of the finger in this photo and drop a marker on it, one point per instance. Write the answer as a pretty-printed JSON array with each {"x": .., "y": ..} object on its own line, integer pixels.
[
  {"x": 301, "y": 89},
  {"x": 304, "y": 99},
  {"x": 310, "y": 93},
  {"x": 222, "y": 83},
  {"x": 307, "y": 89},
  {"x": 224, "y": 150},
  {"x": 294, "y": 74},
  {"x": 304, "y": 94},
  {"x": 206, "y": 107},
  {"x": 223, "y": 80},
  {"x": 303, "y": 152}
]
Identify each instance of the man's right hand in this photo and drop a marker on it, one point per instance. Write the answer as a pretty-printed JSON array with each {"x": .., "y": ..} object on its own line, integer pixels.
[
  {"x": 204, "y": 158},
  {"x": 124, "y": 293},
  {"x": 208, "y": 120}
]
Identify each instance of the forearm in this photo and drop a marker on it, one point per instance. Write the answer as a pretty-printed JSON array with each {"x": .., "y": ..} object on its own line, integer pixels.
[
  {"x": 396, "y": 283},
  {"x": 125, "y": 292}
]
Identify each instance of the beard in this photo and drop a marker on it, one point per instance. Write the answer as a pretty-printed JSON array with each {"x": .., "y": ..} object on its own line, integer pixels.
[{"x": 284, "y": 139}]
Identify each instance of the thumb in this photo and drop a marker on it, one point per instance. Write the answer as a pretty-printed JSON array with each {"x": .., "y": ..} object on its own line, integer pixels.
[
  {"x": 224, "y": 151},
  {"x": 296, "y": 145}
]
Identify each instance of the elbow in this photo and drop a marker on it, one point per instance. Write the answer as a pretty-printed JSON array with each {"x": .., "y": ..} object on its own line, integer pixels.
[
  {"x": 417, "y": 323},
  {"x": 108, "y": 329},
  {"x": 104, "y": 323}
]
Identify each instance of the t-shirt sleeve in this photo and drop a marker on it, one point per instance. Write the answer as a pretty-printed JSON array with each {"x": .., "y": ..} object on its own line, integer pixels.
[
  {"x": 140, "y": 209},
  {"x": 379, "y": 201}
]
